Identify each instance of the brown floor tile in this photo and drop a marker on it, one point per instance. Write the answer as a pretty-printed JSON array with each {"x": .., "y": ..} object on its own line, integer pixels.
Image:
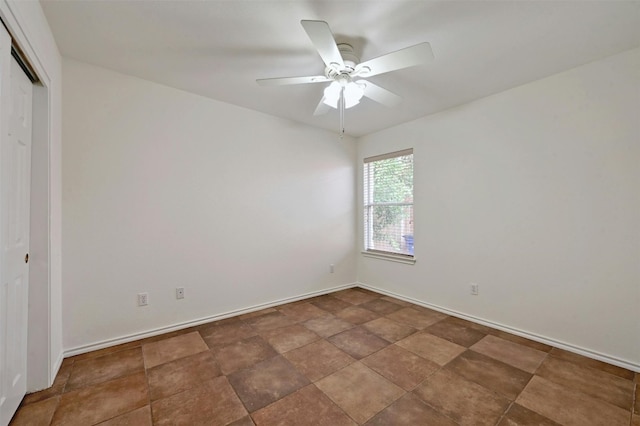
[
  {"x": 416, "y": 319},
  {"x": 357, "y": 315},
  {"x": 596, "y": 383},
  {"x": 465, "y": 402},
  {"x": 381, "y": 306},
  {"x": 302, "y": 311},
  {"x": 495, "y": 375},
  {"x": 259, "y": 313},
  {"x": 410, "y": 410},
  {"x": 520, "y": 340},
  {"x": 213, "y": 403},
  {"x": 455, "y": 333},
  {"x": 330, "y": 304},
  {"x": 399, "y": 302},
  {"x": 91, "y": 405},
  {"x": 182, "y": 374},
  {"x": 157, "y": 353},
  {"x": 139, "y": 417},
  {"x": 635, "y": 420},
  {"x": 358, "y": 342},
  {"x": 226, "y": 333},
  {"x": 517, "y": 415},
  {"x": 308, "y": 406},
  {"x": 389, "y": 329},
  {"x": 636, "y": 405},
  {"x": 402, "y": 367},
  {"x": 36, "y": 413},
  {"x": 105, "y": 351},
  {"x": 266, "y": 382},
  {"x": 90, "y": 371},
  {"x": 243, "y": 354},
  {"x": 56, "y": 389},
  {"x": 245, "y": 421},
  {"x": 468, "y": 324},
  {"x": 269, "y": 321},
  {"x": 522, "y": 357},
  {"x": 431, "y": 347},
  {"x": 318, "y": 359},
  {"x": 355, "y": 296},
  {"x": 359, "y": 391},
  {"x": 569, "y": 407},
  {"x": 327, "y": 326},
  {"x": 593, "y": 363},
  {"x": 287, "y": 338}
]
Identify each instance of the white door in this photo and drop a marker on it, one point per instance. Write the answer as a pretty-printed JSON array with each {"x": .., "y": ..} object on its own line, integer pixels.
[{"x": 15, "y": 172}]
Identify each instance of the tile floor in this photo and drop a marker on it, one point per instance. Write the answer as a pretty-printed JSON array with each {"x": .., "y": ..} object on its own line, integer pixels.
[{"x": 351, "y": 357}]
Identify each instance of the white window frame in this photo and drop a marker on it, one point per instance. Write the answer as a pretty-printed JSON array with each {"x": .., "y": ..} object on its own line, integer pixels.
[{"x": 368, "y": 206}]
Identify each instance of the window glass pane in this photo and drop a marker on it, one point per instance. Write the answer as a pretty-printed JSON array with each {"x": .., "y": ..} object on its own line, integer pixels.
[{"x": 388, "y": 197}]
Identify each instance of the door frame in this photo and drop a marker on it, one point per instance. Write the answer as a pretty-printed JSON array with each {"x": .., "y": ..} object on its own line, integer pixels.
[{"x": 44, "y": 349}]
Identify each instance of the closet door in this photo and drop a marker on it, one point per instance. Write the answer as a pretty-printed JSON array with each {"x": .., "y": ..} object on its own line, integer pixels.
[{"x": 15, "y": 172}]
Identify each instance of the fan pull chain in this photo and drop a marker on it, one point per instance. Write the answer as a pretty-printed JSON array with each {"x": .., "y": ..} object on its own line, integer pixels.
[{"x": 341, "y": 102}]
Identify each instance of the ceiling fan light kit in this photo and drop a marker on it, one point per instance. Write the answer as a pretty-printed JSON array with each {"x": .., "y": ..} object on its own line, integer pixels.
[{"x": 342, "y": 66}]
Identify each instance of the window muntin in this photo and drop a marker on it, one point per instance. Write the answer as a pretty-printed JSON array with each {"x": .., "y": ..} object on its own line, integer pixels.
[{"x": 388, "y": 203}]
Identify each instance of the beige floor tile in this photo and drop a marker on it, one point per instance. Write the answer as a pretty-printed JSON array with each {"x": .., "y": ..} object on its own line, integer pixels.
[
  {"x": 185, "y": 373},
  {"x": 212, "y": 403},
  {"x": 318, "y": 359},
  {"x": 91, "y": 405},
  {"x": 415, "y": 318},
  {"x": 307, "y": 406},
  {"x": 517, "y": 415},
  {"x": 287, "y": 338},
  {"x": 327, "y": 326},
  {"x": 139, "y": 417},
  {"x": 242, "y": 354},
  {"x": 465, "y": 402},
  {"x": 359, "y": 391},
  {"x": 597, "y": 383},
  {"x": 90, "y": 371},
  {"x": 570, "y": 407},
  {"x": 431, "y": 347},
  {"x": 410, "y": 410},
  {"x": 388, "y": 329},
  {"x": 266, "y": 382},
  {"x": 495, "y": 375},
  {"x": 162, "y": 351},
  {"x": 36, "y": 413},
  {"x": 522, "y": 357},
  {"x": 400, "y": 366}
]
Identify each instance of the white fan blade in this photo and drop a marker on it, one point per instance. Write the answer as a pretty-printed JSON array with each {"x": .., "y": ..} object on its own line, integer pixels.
[
  {"x": 291, "y": 80},
  {"x": 404, "y": 58},
  {"x": 322, "y": 38},
  {"x": 380, "y": 95},
  {"x": 322, "y": 108}
]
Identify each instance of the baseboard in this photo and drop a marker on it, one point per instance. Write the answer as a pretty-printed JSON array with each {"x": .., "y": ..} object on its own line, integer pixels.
[
  {"x": 522, "y": 333},
  {"x": 191, "y": 323}
]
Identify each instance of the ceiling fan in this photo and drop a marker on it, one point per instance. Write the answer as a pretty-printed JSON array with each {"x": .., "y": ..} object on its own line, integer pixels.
[{"x": 344, "y": 71}]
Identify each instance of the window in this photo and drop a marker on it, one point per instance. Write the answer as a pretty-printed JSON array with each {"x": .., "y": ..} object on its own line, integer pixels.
[{"x": 388, "y": 203}]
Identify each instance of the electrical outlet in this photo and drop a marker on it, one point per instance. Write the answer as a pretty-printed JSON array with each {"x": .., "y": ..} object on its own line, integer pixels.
[
  {"x": 474, "y": 289},
  {"x": 179, "y": 292},
  {"x": 143, "y": 299},
  {"x": 331, "y": 268}
]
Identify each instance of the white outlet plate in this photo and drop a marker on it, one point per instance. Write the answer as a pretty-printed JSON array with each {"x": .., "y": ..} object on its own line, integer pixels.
[
  {"x": 143, "y": 299},
  {"x": 179, "y": 292}
]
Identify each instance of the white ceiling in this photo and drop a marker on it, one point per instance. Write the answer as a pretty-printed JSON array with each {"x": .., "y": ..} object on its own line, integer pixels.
[{"x": 219, "y": 48}]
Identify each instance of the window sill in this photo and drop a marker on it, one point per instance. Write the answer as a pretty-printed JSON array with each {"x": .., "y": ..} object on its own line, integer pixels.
[{"x": 390, "y": 257}]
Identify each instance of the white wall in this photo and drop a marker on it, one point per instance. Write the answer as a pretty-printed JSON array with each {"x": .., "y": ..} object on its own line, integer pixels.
[
  {"x": 534, "y": 194},
  {"x": 29, "y": 29},
  {"x": 162, "y": 188}
]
